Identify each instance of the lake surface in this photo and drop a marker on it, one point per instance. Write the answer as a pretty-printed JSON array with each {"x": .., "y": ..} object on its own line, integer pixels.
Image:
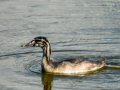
[{"x": 76, "y": 29}]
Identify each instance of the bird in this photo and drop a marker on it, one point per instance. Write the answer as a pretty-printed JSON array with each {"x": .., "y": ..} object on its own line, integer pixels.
[{"x": 68, "y": 66}]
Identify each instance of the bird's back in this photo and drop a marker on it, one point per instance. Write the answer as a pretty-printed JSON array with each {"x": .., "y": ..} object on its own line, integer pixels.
[{"x": 76, "y": 65}]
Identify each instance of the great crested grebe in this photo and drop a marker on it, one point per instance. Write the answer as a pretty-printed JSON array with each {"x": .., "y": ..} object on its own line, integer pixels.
[{"x": 77, "y": 65}]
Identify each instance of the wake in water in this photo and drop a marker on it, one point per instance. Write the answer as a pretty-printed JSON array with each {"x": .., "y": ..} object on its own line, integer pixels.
[
  {"x": 113, "y": 66},
  {"x": 37, "y": 68}
]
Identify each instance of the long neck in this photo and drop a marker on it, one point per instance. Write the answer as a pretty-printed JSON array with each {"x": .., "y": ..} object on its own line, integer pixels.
[
  {"x": 47, "y": 62},
  {"x": 47, "y": 53}
]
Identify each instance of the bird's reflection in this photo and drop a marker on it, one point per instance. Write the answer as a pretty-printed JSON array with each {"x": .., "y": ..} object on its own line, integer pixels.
[{"x": 47, "y": 81}]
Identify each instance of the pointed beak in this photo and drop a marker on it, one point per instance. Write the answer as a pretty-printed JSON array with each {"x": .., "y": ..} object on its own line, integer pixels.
[{"x": 29, "y": 44}]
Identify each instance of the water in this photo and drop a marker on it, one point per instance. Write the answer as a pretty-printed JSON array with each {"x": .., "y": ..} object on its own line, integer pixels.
[{"x": 75, "y": 28}]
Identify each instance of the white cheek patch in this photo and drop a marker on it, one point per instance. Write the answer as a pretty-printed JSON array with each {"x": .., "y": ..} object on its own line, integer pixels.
[{"x": 36, "y": 45}]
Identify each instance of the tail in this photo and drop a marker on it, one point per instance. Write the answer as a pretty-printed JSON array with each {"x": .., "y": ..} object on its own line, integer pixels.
[{"x": 103, "y": 61}]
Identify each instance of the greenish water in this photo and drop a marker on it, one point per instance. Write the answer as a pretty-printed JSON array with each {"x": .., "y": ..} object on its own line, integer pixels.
[{"x": 76, "y": 29}]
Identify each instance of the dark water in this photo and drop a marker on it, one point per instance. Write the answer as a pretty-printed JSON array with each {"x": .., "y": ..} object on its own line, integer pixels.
[{"x": 76, "y": 28}]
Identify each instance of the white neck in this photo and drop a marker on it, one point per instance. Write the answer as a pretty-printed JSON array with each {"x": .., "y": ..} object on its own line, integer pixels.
[
  {"x": 47, "y": 52},
  {"x": 47, "y": 62}
]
